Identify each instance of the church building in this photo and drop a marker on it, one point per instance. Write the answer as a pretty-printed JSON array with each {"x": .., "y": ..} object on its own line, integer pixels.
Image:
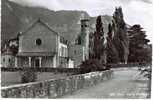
[{"x": 41, "y": 46}]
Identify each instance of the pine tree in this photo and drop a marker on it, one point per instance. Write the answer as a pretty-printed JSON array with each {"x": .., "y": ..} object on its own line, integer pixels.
[{"x": 139, "y": 49}]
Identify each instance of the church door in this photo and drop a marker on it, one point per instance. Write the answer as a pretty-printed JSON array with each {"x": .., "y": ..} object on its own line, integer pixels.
[{"x": 37, "y": 63}]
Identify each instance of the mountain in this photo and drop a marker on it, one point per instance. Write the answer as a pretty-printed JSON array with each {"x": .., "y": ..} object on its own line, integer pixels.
[
  {"x": 15, "y": 18},
  {"x": 105, "y": 20}
]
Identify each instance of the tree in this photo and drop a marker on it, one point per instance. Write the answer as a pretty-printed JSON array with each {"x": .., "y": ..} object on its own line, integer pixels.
[
  {"x": 120, "y": 39},
  {"x": 140, "y": 50},
  {"x": 98, "y": 39},
  {"x": 91, "y": 45},
  {"x": 112, "y": 53},
  {"x": 96, "y": 50}
]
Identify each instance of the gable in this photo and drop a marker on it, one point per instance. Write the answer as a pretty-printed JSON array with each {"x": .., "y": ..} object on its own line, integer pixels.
[
  {"x": 38, "y": 31},
  {"x": 36, "y": 23}
]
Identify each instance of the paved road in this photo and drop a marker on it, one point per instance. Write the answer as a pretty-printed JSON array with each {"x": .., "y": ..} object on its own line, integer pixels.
[{"x": 126, "y": 83}]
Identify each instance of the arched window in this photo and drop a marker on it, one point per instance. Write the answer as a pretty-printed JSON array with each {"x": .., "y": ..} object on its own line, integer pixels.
[
  {"x": 9, "y": 60},
  {"x": 75, "y": 52},
  {"x": 3, "y": 59},
  {"x": 86, "y": 25}
]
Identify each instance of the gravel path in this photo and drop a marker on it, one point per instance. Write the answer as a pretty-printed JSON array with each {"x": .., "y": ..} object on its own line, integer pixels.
[{"x": 126, "y": 83}]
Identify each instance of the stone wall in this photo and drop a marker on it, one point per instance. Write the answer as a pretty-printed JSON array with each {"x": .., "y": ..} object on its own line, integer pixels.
[
  {"x": 130, "y": 65},
  {"x": 55, "y": 88},
  {"x": 76, "y": 52}
]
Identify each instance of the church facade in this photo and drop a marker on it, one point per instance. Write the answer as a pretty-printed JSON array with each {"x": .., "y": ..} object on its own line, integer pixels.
[{"x": 40, "y": 46}]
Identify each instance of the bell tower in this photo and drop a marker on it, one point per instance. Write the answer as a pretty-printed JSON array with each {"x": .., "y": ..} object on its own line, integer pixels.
[{"x": 85, "y": 36}]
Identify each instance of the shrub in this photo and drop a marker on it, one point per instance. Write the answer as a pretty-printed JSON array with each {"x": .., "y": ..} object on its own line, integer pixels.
[
  {"x": 28, "y": 75},
  {"x": 91, "y": 65}
]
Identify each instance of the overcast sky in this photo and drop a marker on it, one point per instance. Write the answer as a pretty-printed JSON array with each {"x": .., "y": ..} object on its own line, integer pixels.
[{"x": 135, "y": 11}]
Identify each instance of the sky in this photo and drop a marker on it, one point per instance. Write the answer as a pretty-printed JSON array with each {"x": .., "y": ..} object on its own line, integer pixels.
[{"x": 135, "y": 11}]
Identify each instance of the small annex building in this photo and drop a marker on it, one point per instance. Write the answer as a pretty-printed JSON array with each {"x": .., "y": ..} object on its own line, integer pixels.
[{"x": 7, "y": 58}]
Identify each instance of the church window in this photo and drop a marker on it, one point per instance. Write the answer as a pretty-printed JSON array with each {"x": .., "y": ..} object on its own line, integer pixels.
[
  {"x": 79, "y": 40},
  {"x": 9, "y": 60},
  {"x": 86, "y": 25},
  {"x": 3, "y": 59},
  {"x": 38, "y": 42},
  {"x": 62, "y": 51},
  {"x": 75, "y": 52}
]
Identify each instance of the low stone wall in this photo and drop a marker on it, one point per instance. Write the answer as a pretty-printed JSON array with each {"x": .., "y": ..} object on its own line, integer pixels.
[
  {"x": 130, "y": 65},
  {"x": 56, "y": 87}
]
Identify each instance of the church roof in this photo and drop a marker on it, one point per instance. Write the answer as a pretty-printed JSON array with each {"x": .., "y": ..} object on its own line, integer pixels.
[
  {"x": 44, "y": 23},
  {"x": 35, "y": 22}
]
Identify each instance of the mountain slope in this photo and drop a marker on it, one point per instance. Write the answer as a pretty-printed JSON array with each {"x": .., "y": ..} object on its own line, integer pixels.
[{"x": 16, "y": 17}]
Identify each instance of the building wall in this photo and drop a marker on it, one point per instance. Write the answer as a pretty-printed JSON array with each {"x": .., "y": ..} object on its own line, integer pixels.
[
  {"x": 63, "y": 50},
  {"x": 47, "y": 62},
  {"x": 63, "y": 62},
  {"x": 23, "y": 62},
  {"x": 70, "y": 63},
  {"x": 76, "y": 52},
  {"x": 62, "y": 55},
  {"x": 27, "y": 41}
]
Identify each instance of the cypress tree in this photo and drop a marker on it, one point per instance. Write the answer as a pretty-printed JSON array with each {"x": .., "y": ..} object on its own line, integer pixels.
[
  {"x": 98, "y": 39},
  {"x": 120, "y": 39}
]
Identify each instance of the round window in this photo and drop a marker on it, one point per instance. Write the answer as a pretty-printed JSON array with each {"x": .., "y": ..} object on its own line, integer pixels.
[{"x": 38, "y": 41}]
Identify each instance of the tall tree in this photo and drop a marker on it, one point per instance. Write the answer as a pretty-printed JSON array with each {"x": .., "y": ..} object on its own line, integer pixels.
[
  {"x": 112, "y": 53},
  {"x": 98, "y": 38},
  {"x": 139, "y": 49},
  {"x": 120, "y": 38},
  {"x": 91, "y": 45}
]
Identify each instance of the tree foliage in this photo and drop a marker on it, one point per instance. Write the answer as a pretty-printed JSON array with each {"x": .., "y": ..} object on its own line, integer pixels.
[
  {"x": 98, "y": 39},
  {"x": 112, "y": 53},
  {"x": 140, "y": 50},
  {"x": 96, "y": 49},
  {"x": 120, "y": 39},
  {"x": 91, "y": 45},
  {"x": 92, "y": 65}
]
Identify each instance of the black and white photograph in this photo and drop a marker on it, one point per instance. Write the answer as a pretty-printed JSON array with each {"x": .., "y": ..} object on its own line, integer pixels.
[{"x": 76, "y": 49}]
